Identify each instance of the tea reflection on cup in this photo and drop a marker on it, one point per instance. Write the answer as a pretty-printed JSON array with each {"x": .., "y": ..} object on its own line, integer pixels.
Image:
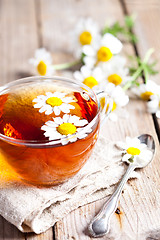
[{"x": 48, "y": 127}]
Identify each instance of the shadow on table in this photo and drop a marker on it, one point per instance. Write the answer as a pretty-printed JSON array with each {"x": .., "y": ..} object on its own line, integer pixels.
[
  {"x": 19, "y": 75},
  {"x": 9, "y": 231}
]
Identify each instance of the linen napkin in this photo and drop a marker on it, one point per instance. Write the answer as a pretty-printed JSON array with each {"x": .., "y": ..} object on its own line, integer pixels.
[{"x": 35, "y": 209}]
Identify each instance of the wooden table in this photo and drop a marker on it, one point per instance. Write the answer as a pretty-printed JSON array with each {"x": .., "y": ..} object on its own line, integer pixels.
[{"x": 29, "y": 24}]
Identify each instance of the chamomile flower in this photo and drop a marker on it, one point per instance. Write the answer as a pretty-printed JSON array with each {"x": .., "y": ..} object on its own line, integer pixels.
[
  {"x": 145, "y": 91},
  {"x": 85, "y": 33},
  {"x": 53, "y": 102},
  {"x": 91, "y": 78},
  {"x": 42, "y": 62},
  {"x": 101, "y": 50},
  {"x": 120, "y": 99},
  {"x": 115, "y": 71},
  {"x": 154, "y": 104},
  {"x": 134, "y": 151},
  {"x": 68, "y": 128}
]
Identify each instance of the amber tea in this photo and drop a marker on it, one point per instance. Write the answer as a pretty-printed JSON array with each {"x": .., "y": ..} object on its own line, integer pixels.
[{"x": 47, "y": 128}]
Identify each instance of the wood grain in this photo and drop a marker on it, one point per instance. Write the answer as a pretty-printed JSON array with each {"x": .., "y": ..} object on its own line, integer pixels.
[
  {"x": 147, "y": 29},
  {"x": 18, "y": 41},
  {"x": 75, "y": 224},
  {"x": 26, "y": 25}
]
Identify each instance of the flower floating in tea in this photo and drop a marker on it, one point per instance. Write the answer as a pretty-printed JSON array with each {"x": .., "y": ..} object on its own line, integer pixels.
[
  {"x": 101, "y": 51},
  {"x": 53, "y": 102},
  {"x": 90, "y": 77},
  {"x": 134, "y": 151},
  {"x": 42, "y": 62},
  {"x": 69, "y": 126}
]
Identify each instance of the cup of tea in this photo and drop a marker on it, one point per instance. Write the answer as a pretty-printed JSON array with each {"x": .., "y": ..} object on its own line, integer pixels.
[{"x": 49, "y": 126}]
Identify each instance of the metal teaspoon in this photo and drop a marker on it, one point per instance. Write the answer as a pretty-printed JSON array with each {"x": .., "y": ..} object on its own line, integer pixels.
[{"x": 99, "y": 226}]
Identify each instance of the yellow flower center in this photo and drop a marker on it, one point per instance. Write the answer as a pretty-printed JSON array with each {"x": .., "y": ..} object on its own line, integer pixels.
[
  {"x": 54, "y": 101},
  {"x": 85, "y": 38},
  {"x": 90, "y": 82},
  {"x": 66, "y": 128},
  {"x": 102, "y": 102},
  {"x": 104, "y": 54},
  {"x": 115, "y": 79},
  {"x": 42, "y": 68},
  {"x": 133, "y": 151},
  {"x": 146, "y": 95}
]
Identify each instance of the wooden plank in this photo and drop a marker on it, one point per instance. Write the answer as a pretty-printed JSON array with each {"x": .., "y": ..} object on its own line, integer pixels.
[
  {"x": 18, "y": 41},
  {"x": 60, "y": 17},
  {"x": 48, "y": 235},
  {"x": 8, "y": 231},
  {"x": 74, "y": 225},
  {"x": 147, "y": 30},
  {"x": 146, "y": 26},
  {"x": 138, "y": 196}
]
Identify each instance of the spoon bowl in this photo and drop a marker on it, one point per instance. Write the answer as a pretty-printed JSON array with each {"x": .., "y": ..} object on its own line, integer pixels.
[
  {"x": 99, "y": 226},
  {"x": 149, "y": 141}
]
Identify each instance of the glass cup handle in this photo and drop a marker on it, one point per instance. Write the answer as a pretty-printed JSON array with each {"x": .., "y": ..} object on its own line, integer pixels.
[{"x": 108, "y": 105}]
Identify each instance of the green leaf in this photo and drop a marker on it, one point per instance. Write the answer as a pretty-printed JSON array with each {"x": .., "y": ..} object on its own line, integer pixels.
[
  {"x": 114, "y": 29},
  {"x": 143, "y": 69},
  {"x": 129, "y": 21},
  {"x": 119, "y": 30}
]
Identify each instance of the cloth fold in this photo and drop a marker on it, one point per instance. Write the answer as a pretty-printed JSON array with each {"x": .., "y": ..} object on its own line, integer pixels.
[{"x": 35, "y": 209}]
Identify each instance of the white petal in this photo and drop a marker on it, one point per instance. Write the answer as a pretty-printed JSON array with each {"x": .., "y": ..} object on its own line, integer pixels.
[
  {"x": 97, "y": 73},
  {"x": 59, "y": 94},
  {"x": 64, "y": 141},
  {"x": 78, "y": 75},
  {"x": 54, "y": 135},
  {"x": 43, "y": 109},
  {"x": 112, "y": 43},
  {"x": 73, "y": 119},
  {"x": 121, "y": 145},
  {"x": 49, "y": 94},
  {"x": 44, "y": 128},
  {"x": 73, "y": 139},
  {"x": 66, "y": 118},
  {"x": 58, "y": 120},
  {"x": 38, "y": 105},
  {"x": 126, "y": 157},
  {"x": 89, "y": 61},
  {"x": 68, "y": 100},
  {"x": 56, "y": 110},
  {"x": 88, "y": 50},
  {"x": 65, "y": 108},
  {"x": 85, "y": 71},
  {"x": 49, "y": 111},
  {"x": 158, "y": 114},
  {"x": 152, "y": 106},
  {"x": 81, "y": 136},
  {"x": 51, "y": 124},
  {"x": 81, "y": 123},
  {"x": 50, "y": 70},
  {"x": 113, "y": 117}
]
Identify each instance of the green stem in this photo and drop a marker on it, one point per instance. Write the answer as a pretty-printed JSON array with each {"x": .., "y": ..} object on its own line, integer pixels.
[
  {"x": 127, "y": 85},
  {"x": 137, "y": 73},
  {"x": 148, "y": 54},
  {"x": 66, "y": 65},
  {"x": 134, "y": 77}
]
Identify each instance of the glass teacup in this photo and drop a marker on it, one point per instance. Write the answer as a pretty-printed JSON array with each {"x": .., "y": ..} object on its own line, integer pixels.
[{"x": 49, "y": 126}]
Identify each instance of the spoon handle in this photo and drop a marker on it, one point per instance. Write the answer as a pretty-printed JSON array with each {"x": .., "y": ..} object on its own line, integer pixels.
[{"x": 100, "y": 224}]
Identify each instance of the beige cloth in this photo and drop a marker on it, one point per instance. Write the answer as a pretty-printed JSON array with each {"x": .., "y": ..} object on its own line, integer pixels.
[{"x": 33, "y": 209}]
